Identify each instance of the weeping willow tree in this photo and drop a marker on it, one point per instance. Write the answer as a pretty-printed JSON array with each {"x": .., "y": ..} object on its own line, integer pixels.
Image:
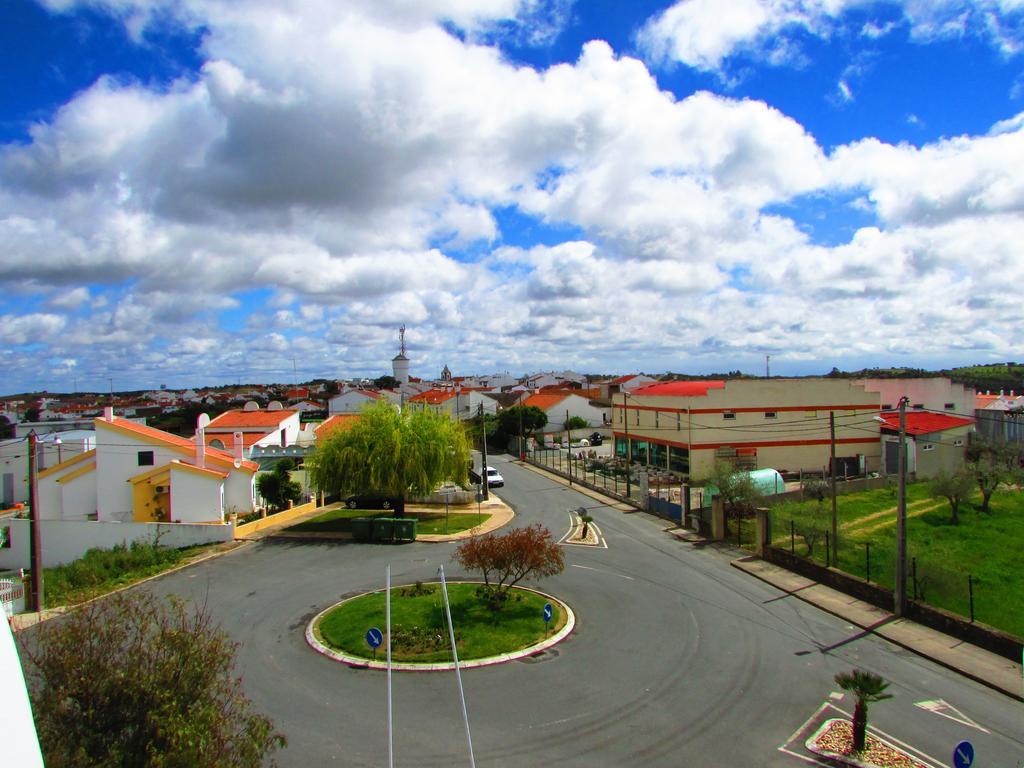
[{"x": 391, "y": 453}]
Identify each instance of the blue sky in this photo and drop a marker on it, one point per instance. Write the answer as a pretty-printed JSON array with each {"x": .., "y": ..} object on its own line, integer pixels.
[{"x": 200, "y": 192}]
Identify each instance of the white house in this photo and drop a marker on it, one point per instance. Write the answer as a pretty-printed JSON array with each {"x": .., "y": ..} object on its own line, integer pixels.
[
  {"x": 352, "y": 401},
  {"x": 138, "y": 473},
  {"x": 51, "y": 448},
  {"x": 272, "y": 427},
  {"x": 562, "y": 405}
]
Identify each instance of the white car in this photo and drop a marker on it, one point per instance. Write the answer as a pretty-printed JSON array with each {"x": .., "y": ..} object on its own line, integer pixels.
[{"x": 494, "y": 478}]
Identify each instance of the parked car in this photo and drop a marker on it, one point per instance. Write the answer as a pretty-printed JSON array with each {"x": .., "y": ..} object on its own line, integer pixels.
[
  {"x": 596, "y": 438},
  {"x": 494, "y": 478},
  {"x": 369, "y": 501}
]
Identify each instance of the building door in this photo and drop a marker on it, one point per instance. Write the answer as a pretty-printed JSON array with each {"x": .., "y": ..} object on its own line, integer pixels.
[
  {"x": 8, "y": 490},
  {"x": 892, "y": 457}
]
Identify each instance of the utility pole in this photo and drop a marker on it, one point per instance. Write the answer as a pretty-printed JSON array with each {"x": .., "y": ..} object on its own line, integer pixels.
[
  {"x": 832, "y": 475},
  {"x": 483, "y": 455},
  {"x": 629, "y": 452},
  {"x": 900, "y": 585},
  {"x": 522, "y": 437},
  {"x": 767, "y": 366},
  {"x": 35, "y": 534}
]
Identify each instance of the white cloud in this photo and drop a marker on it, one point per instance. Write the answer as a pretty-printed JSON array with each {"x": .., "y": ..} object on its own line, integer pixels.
[
  {"x": 704, "y": 34},
  {"x": 318, "y": 174}
]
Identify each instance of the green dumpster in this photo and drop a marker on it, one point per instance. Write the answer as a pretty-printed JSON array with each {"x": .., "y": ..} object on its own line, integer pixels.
[
  {"x": 383, "y": 528},
  {"x": 405, "y": 528},
  {"x": 362, "y": 528}
]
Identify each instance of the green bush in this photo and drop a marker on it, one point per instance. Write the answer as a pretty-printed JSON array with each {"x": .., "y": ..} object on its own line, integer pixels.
[{"x": 100, "y": 570}]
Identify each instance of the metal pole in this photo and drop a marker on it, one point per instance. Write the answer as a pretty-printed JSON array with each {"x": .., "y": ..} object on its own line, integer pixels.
[
  {"x": 455, "y": 655},
  {"x": 629, "y": 452},
  {"x": 867, "y": 561},
  {"x": 792, "y": 537},
  {"x": 970, "y": 594},
  {"x": 828, "y": 556},
  {"x": 835, "y": 515},
  {"x": 483, "y": 468},
  {"x": 913, "y": 573},
  {"x": 900, "y": 587},
  {"x": 35, "y": 532},
  {"x": 387, "y": 619}
]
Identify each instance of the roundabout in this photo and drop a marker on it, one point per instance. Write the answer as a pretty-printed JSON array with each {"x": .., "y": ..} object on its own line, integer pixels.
[{"x": 420, "y": 637}]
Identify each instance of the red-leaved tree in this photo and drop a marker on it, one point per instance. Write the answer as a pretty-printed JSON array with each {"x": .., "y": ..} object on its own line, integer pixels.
[{"x": 505, "y": 560}]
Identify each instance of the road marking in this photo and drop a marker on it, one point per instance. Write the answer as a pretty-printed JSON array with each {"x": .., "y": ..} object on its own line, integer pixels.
[
  {"x": 943, "y": 708},
  {"x": 599, "y": 570}
]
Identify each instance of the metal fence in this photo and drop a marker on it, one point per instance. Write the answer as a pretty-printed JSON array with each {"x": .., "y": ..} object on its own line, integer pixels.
[
  {"x": 928, "y": 580},
  {"x": 602, "y": 473}
]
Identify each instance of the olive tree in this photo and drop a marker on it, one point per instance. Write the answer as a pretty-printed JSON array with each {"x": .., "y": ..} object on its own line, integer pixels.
[
  {"x": 135, "y": 680},
  {"x": 391, "y": 453}
]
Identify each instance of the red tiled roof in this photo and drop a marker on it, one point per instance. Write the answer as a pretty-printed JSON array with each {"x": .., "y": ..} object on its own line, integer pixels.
[
  {"x": 546, "y": 400},
  {"x": 433, "y": 397},
  {"x": 246, "y": 420},
  {"x": 183, "y": 444},
  {"x": 338, "y": 421},
  {"x": 679, "y": 388},
  {"x": 923, "y": 422},
  {"x": 623, "y": 379}
]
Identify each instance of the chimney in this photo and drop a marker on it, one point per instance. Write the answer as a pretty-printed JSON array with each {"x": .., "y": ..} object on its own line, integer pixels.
[
  {"x": 201, "y": 448},
  {"x": 108, "y": 413},
  {"x": 238, "y": 448}
]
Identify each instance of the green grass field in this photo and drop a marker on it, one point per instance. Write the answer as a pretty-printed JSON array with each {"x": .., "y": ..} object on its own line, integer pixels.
[
  {"x": 340, "y": 520},
  {"x": 419, "y": 629},
  {"x": 986, "y": 547}
]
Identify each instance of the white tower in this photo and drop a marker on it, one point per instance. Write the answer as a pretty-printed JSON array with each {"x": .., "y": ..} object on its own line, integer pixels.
[{"x": 400, "y": 363}]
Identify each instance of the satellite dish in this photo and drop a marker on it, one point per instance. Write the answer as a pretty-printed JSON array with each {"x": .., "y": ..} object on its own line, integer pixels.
[
  {"x": 275, "y": 405},
  {"x": 252, "y": 405},
  {"x": 203, "y": 421}
]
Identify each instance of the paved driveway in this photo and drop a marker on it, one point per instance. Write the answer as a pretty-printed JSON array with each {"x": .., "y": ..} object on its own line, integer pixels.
[{"x": 677, "y": 659}]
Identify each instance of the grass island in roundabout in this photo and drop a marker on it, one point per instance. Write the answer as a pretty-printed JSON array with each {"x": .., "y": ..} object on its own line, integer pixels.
[{"x": 419, "y": 628}]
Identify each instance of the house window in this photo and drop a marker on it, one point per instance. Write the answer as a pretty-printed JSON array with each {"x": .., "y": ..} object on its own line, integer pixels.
[
  {"x": 771, "y": 415},
  {"x": 145, "y": 458},
  {"x": 918, "y": 406},
  {"x": 679, "y": 421},
  {"x": 728, "y": 415},
  {"x": 810, "y": 414},
  {"x": 638, "y": 417},
  {"x": 887, "y": 407},
  {"x": 928, "y": 447},
  {"x": 950, "y": 406}
]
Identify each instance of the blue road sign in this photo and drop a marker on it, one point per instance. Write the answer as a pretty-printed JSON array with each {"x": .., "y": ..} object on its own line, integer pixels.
[
  {"x": 548, "y": 612},
  {"x": 374, "y": 637},
  {"x": 963, "y": 755}
]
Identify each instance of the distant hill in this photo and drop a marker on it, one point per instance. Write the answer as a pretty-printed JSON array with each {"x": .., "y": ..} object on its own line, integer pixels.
[{"x": 1001, "y": 376}]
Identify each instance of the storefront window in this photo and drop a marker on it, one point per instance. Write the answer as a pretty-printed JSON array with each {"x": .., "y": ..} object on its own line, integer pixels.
[{"x": 679, "y": 459}]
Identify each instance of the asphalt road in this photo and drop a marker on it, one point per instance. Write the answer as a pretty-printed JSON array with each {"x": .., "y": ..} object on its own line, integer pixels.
[{"x": 677, "y": 659}]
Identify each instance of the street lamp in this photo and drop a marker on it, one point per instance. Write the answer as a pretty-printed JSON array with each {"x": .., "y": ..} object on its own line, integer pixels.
[{"x": 57, "y": 442}]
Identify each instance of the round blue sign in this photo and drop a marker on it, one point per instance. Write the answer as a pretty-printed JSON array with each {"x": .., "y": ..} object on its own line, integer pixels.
[
  {"x": 548, "y": 612},
  {"x": 374, "y": 637},
  {"x": 963, "y": 755}
]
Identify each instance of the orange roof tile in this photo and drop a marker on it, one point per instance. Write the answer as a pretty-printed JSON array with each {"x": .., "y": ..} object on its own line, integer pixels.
[
  {"x": 181, "y": 444},
  {"x": 433, "y": 397},
  {"x": 339, "y": 421},
  {"x": 248, "y": 420},
  {"x": 545, "y": 400}
]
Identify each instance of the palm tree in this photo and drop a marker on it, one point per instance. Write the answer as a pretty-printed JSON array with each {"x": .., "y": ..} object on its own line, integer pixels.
[{"x": 867, "y": 687}]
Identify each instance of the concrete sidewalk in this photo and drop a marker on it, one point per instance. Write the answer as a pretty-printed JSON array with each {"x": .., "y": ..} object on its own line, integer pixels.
[
  {"x": 980, "y": 665},
  {"x": 960, "y": 656}
]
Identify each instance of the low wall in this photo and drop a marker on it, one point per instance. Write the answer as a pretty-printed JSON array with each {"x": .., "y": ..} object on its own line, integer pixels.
[
  {"x": 983, "y": 636},
  {"x": 247, "y": 529},
  {"x": 456, "y": 498},
  {"x": 66, "y": 540}
]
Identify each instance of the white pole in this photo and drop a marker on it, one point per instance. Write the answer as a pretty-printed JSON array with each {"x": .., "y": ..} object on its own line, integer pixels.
[
  {"x": 458, "y": 674},
  {"x": 387, "y": 620}
]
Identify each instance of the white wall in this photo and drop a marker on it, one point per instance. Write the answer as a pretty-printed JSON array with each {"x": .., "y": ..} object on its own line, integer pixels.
[
  {"x": 933, "y": 393},
  {"x": 117, "y": 462},
  {"x": 67, "y": 540},
  {"x": 291, "y": 427},
  {"x": 576, "y": 406},
  {"x": 351, "y": 401},
  {"x": 195, "y": 498},
  {"x": 240, "y": 492},
  {"x": 78, "y": 496}
]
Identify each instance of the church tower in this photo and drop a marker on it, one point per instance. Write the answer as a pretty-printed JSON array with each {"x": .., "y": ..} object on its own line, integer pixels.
[{"x": 400, "y": 363}]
